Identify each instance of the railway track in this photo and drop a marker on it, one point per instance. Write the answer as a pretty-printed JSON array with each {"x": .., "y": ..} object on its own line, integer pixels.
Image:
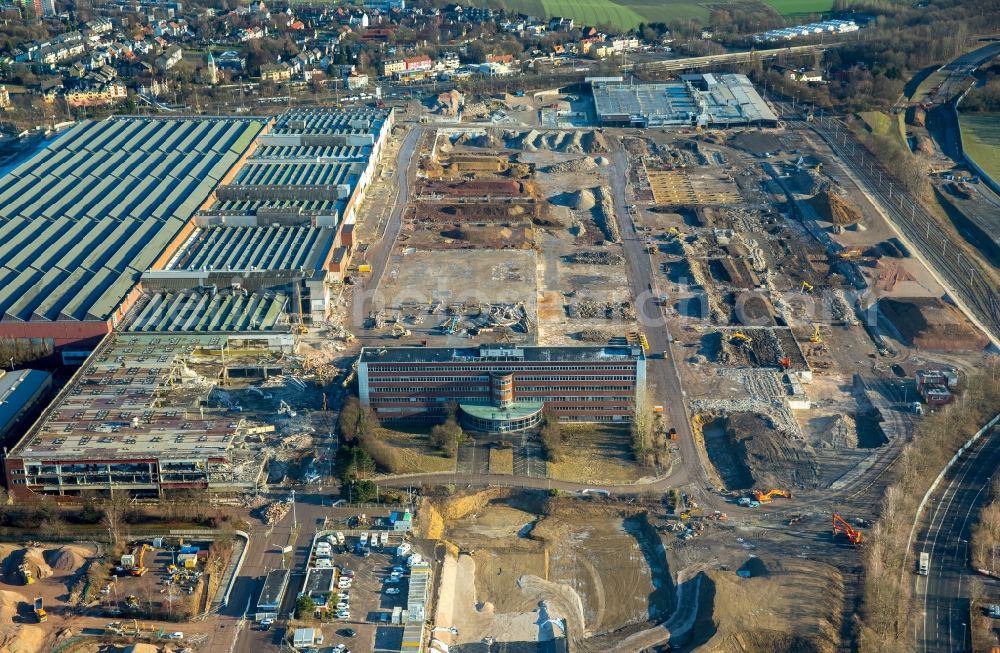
[{"x": 964, "y": 276}]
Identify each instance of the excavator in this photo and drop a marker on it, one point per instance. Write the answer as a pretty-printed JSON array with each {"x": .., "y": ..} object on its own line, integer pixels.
[
  {"x": 815, "y": 337},
  {"x": 840, "y": 526},
  {"x": 743, "y": 338},
  {"x": 139, "y": 569},
  {"x": 807, "y": 287},
  {"x": 768, "y": 497},
  {"x": 399, "y": 331}
]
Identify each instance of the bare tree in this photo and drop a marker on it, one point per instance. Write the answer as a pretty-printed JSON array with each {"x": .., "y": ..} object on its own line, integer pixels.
[{"x": 114, "y": 515}]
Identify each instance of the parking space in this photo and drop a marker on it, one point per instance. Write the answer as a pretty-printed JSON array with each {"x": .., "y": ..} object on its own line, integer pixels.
[{"x": 369, "y": 585}]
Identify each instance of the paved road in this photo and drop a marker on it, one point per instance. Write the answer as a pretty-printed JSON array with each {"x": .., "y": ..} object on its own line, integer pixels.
[
  {"x": 662, "y": 373},
  {"x": 379, "y": 253},
  {"x": 943, "y": 593}
]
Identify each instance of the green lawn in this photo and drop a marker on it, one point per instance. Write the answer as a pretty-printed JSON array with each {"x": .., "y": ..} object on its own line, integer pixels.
[
  {"x": 629, "y": 13},
  {"x": 981, "y": 139},
  {"x": 792, "y": 7},
  {"x": 594, "y": 12}
]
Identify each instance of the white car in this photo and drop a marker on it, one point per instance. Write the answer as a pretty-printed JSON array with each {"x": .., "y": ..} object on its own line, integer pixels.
[
  {"x": 392, "y": 590},
  {"x": 176, "y": 635},
  {"x": 344, "y": 585}
]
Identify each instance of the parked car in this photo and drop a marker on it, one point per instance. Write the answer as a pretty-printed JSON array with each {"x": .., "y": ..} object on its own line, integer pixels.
[
  {"x": 392, "y": 591},
  {"x": 176, "y": 635}
]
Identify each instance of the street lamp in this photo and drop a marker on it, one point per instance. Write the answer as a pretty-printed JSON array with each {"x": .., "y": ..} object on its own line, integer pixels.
[{"x": 294, "y": 521}]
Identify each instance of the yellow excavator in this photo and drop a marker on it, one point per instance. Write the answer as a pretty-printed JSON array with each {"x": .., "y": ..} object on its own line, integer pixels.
[
  {"x": 768, "y": 497},
  {"x": 815, "y": 337},
  {"x": 742, "y": 338},
  {"x": 807, "y": 287}
]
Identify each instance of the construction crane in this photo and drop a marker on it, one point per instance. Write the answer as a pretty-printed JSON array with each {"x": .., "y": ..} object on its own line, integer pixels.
[
  {"x": 815, "y": 337},
  {"x": 840, "y": 526},
  {"x": 768, "y": 497},
  {"x": 742, "y": 338}
]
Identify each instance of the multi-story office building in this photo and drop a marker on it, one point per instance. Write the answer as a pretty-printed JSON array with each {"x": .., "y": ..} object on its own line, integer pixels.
[{"x": 502, "y": 388}]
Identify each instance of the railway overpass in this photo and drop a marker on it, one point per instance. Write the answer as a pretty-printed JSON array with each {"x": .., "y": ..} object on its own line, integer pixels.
[{"x": 689, "y": 63}]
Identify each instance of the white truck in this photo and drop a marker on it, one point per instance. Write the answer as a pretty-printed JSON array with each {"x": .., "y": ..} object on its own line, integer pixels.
[
  {"x": 364, "y": 539},
  {"x": 383, "y": 539},
  {"x": 924, "y": 564}
]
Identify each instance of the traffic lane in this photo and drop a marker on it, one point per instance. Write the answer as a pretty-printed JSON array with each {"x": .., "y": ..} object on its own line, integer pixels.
[{"x": 945, "y": 607}]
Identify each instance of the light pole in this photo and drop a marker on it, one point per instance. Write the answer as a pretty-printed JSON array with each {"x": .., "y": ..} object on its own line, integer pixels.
[{"x": 294, "y": 521}]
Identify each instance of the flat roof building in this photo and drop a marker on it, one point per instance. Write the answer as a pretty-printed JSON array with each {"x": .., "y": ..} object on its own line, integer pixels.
[
  {"x": 708, "y": 100},
  {"x": 82, "y": 219},
  {"x": 502, "y": 388},
  {"x": 135, "y": 417},
  {"x": 275, "y": 584}
]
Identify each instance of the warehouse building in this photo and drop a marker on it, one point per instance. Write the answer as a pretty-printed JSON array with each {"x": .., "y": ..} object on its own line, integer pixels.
[
  {"x": 136, "y": 417},
  {"x": 82, "y": 219},
  {"x": 708, "y": 100},
  {"x": 500, "y": 388},
  {"x": 284, "y": 221},
  {"x": 20, "y": 392}
]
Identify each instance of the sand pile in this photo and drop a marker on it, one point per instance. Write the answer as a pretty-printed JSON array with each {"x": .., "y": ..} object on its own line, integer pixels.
[
  {"x": 602, "y": 161},
  {"x": 14, "y": 557},
  {"x": 583, "y": 200},
  {"x": 575, "y": 145},
  {"x": 835, "y": 209},
  {"x": 449, "y": 103},
  {"x": 66, "y": 558},
  {"x": 594, "y": 143},
  {"x": 583, "y": 164}
]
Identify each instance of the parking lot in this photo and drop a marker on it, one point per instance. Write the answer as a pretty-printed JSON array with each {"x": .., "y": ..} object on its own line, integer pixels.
[{"x": 365, "y": 605}]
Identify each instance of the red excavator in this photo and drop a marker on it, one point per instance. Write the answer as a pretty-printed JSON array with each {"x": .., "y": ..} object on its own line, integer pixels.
[{"x": 840, "y": 525}]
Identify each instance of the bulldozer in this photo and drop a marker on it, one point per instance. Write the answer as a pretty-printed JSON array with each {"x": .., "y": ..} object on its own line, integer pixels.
[{"x": 768, "y": 497}]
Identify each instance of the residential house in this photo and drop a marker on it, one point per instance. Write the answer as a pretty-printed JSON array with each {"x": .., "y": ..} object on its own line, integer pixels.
[
  {"x": 357, "y": 81},
  {"x": 421, "y": 62},
  {"x": 392, "y": 66},
  {"x": 90, "y": 95},
  {"x": 170, "y": 58},
  {"x": 277, "y": 72}
]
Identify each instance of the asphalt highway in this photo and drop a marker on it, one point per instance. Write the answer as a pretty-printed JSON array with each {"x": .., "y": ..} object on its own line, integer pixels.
[{"x": 943, "y": 593}]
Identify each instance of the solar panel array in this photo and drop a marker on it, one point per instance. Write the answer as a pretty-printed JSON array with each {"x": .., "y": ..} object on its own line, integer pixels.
[{"x": 83, "y": 218}]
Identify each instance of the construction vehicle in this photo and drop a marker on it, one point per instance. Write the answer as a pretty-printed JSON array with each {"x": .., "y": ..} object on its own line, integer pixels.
[
  {"x": 26, "y": 574},
  {"x": 140, "y": 569},
  {"x": 399, "y": 331},
  {"x": 785, "y": 362},
  {"x": 742, "y": 338},
  {"x": 768, "y": 497},
  {"x": 807, "y": 287},
  {"x": 840, "y": 526},
  {"x": 285, "y": 409},
  {"x": 815, "y": 338},
  {"x": 40, "y": 613},
  {"x": 672, "y": 434},
  {"x": 850, "y": 254}
]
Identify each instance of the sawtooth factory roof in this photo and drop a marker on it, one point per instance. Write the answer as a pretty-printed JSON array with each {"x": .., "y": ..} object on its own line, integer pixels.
[
  {"x": 84, "y": 217},
  {"x": 255, "y": 248},
  {"x": 203, "y": 311}
]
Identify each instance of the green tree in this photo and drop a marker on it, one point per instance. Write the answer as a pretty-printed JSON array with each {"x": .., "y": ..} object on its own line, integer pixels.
[{"x": 305, "y": 607}]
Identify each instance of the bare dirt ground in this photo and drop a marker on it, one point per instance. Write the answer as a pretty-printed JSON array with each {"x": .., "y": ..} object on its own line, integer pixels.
[
  {"x": 787, "y": 606},
  {"x": 55, "y": 570},
  {"x": 593, "y": 569}
]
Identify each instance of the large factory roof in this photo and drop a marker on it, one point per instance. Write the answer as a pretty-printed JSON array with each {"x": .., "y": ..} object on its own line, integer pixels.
[
  {"x": 498, "y": 353},
  {"x": 252, "y": 207},
  {"x": 311, "y": 153},
  {"x": 80, "y": 220},
  {"x": 135, "y": 396},
  {"x": 204, "y": 311},
  {"x": 255, "y": 248},
  {"x": 297, "y": 174},
  {"x": 325, "y": 121},
  {"x": 718, "y": 100}
]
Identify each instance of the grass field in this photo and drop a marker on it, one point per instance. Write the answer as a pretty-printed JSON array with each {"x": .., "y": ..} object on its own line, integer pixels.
[
  {"x": 413, "y": 451},
  {"x": 882, "y": 124},
  {"x": 629, "y": 13},
  {"x": 793, "y": 7},
  {"x": 981, "y": 139},
  {"x": 596, "y": 453}
]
